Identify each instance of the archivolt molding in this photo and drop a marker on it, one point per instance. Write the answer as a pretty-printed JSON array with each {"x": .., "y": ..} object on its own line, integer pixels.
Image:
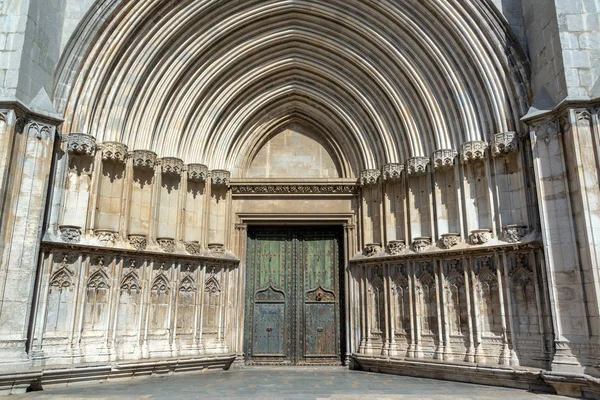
[{"x": 203, "y": 81}]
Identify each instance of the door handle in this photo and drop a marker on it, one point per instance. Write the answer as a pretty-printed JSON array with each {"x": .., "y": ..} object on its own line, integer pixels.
[
  {"x": 269, "y": 329},
  {"x": 320, "y": 329}
]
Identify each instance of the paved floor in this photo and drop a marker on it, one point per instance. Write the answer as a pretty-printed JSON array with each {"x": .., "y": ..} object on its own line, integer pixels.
[{"x": 284, "y": 383}]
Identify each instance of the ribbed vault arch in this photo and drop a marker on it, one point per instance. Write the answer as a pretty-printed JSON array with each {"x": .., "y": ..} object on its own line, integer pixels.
[{"x": 209, "y": 80}]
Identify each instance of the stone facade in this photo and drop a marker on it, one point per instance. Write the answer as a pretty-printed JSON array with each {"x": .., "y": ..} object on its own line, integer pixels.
[{"x": 128, "y": 180}]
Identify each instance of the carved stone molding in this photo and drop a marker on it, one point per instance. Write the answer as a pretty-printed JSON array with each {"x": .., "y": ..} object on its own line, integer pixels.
[
  {"x": 293, "y": 189},
  {"x": 81, "y": 144},
  {"x": 514, "y": 233},
  {"x": 546, "y": 129},
  {"x": 504, "y": 143},
  {"x": 369, "y": 177},
  {"x": 392, "y": 172},
  {"x": 171, "y": 166},
  {"x": 70, "y": 233},
  {"x": 138, "y": 242},
  {"x": 444, "y": 159},
  {"x": 197, "y": 172},
  {"x": 417, "y": 166},
  {"x": 372, "y": 249},
  {"x": 473, "y": 151},
  {"x": 220, "y": 177},
  {"x": 419, "y": 244},
  {"x": 35, "y": 129},
  {"x": 166, "y": 244},
  {"x": 396, "y": 247},
  {"x": 143, "y": 159},
  {"x": 449, "y": 240},
  {"x": 114, "y": 152},
  {"x": 216, "y": 249},
  {"x": 106, "y": 237},
  {"x": 480, "y": 236},
  {"x": 193, "y": 247}
]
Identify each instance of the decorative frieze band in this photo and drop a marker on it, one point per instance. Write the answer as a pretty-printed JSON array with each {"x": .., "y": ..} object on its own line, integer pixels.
[
  {"x": 505, "y": 143},
  {"x": 293, "y": 189},
  {"x": 369, "y": 177},
  {"x": 473, "y": 151},
  {"x": 220, "y": 177},
  {"x": 143, "y": 159},
  {"x": 444, "y": 159},
  {"x": 114, "y": 152},
  {"x": 392, "y": 172},
  {"x": 81, "y": 144},
  {"x": 417, "y": 166},
  {"x": 197, "y": 172}
]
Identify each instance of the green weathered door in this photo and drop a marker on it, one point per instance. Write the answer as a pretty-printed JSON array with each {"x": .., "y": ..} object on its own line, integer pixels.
[{"x": 293, "y": 296}]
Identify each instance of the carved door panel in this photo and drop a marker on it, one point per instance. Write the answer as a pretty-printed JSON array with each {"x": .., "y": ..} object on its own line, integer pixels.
[{"x": 293, "y": 296}]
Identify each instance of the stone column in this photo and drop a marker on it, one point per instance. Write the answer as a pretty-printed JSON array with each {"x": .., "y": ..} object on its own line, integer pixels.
[
  {"x": 447, "y": 206},
  {"x": 29, "y": 162},
  {"x": 395, "y": 208},
  {"x": 419, "y": 203},
  {"x": 371, "y": 211},
  {"x": 219, "y": 201}
]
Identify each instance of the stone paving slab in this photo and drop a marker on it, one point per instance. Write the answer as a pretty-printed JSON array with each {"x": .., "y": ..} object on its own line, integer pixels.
[{"x": 284, "y": 383}]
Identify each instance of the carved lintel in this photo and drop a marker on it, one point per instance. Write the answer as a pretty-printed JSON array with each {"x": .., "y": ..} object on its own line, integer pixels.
[
  {"x": 396, "y": 247},
  {"x": 197, "y": 172},
  {"x": 473, "y": 151},
  {"x": 504, "y": 143},
  {"x": 106, "y": 237},
  {"x": 166, "y": 244},
  {"x": 480, "y": 236},
  {"x": 392, "y": 172},
  {"x": 171, "y": 166},
  {"x": 417, "y": 166},
  {"x": 372, "y": 249},
  {"x": 449, "y": 240},
  {"x": 143, "y": 159},
  {"x": 70, "y": 233},
  {"x": 81, "y": 144},
  {"x": 138, "y": 242},
  {"x": 369, "y": 177},
  {"x": 193, "y": 247},
  {"x": 444, "y": 159},
  {"x": 420, "y": 244},
  {"x": 514, "y": 233},
  {"x": 114, "y": 152},
  {"x": 216, "y": 249},
  {"x": 220, "y": 177}
]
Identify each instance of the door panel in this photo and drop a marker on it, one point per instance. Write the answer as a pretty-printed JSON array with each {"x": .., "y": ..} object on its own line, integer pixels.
[{"x": 292, "y": 296}]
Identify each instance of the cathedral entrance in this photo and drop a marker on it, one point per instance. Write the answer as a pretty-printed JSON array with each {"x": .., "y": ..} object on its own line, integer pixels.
[{"x": 294, "y": 296}]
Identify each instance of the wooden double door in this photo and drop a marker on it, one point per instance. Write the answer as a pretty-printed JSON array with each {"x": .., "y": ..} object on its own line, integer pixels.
[{"x": 293, "y": 296}]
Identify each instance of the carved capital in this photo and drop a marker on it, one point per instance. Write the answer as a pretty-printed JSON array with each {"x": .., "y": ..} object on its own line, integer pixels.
[
  {"x": 138, "y": 242},
  {"x": 166, "y": 244},
  {"x": 114, "y": 152},
  {"x": 372, "y": 249},
  {"x": 505, "y": 143},
  {"x": 417, "y": 166},
  {"x": 473, "y": 151},
  {"x": 70, "y": 233},
  {"x": 444, "y": 159},
  {"x": 197, "y": 172},
  {"x": 220, "y": 177},
  {"x": 513, "y": 233},
  {"x": 396, "y": 247},
  {"x": 106, "y": 237},
  {"x": 241, "y": 227},
  {"x": 420, "y": 244},
  {"x": 171, "y": 166},
  {"x": 392, "y": 172},
  {"x": 369, "y": 177},
  {"x": 480, "y": 236},
  {"x": 216, "y": 249},
  {"x": 193, "y": 247},
  {"x": 449, "y": 240},
  {"x": 143, "y": 159},
  {"x": 81, "y": 144}
]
